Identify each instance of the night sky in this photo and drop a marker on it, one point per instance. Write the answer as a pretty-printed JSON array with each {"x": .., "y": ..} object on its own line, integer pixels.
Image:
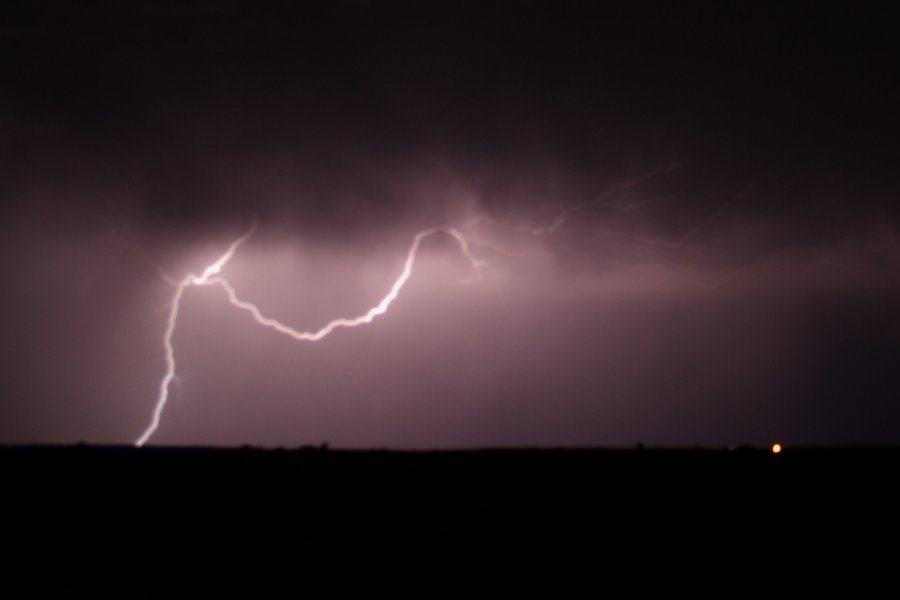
[{"x": 690, "y": 219}]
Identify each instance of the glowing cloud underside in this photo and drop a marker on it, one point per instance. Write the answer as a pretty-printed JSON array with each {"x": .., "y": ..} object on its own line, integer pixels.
[{"x": 211, "y": 276}]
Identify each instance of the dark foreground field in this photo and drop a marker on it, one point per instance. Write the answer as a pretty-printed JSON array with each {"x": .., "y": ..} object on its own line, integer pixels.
[{"x": 638, "y": 523}]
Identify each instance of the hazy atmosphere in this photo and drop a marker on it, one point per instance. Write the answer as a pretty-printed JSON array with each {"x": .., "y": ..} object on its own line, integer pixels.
[{"x": 662, "y": 226}]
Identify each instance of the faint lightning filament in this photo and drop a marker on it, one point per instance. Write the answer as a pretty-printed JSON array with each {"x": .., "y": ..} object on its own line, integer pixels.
[{"x": 211, "y": 276}]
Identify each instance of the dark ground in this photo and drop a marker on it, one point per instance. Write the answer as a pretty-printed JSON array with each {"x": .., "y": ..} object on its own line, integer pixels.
[{"x": 141, "y": 523}]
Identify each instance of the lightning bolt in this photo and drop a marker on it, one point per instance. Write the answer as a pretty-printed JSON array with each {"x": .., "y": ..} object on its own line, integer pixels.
[
  {"x": 189, "y": 280},
  {"x": 685, "y": 237},
  {"x": 568, "y": 211},
  {"x": 212, "y": 276}
]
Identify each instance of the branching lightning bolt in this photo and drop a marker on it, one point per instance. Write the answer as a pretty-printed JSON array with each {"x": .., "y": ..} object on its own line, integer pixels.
[
  {"x": 568, "y": 211},
  {"x": 188, "y": 281},
  {"x": 211, "y": 276}
]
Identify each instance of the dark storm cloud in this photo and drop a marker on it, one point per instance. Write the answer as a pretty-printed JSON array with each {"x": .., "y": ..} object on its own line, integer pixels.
[{"x": 725, "y": 270}]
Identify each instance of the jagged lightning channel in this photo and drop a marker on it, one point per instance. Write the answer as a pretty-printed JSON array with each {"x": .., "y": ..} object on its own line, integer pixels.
[{"x": 211, "y": 276}]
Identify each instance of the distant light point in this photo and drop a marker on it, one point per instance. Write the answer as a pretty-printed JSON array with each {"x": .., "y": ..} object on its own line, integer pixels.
[{"x": 776, "y": 448}]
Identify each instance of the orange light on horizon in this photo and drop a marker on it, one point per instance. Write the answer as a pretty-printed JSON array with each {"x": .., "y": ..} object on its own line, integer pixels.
[{"x": 776, "y": 448}]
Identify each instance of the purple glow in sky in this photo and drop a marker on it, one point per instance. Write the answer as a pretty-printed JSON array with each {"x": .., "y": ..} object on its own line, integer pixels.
[{"x": 573, "y": 227}]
